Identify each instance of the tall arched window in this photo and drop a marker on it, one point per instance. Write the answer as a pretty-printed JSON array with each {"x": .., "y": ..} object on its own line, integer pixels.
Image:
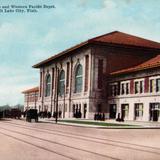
[
  {"x": 61, "y": 82},
  {"x": 48, "y": 85},
  {"x": 78, "y": 78}
]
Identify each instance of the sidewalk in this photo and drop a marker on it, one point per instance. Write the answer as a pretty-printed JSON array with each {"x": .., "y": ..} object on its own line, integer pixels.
[{"x": 134, "y": 124}]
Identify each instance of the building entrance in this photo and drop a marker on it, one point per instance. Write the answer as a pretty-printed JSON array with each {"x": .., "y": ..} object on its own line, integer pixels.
[
  {"x": 154, "y": 111},
  {"x": 85, "y": 111},
  {"x": 112, "y": 111},
  {"x": 124, "y": 110}
]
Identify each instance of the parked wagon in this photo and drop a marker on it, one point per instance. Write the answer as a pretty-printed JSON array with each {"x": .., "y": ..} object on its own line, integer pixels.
[
  {"x": 16, "y": 113},
  {"x": 32, "y": 114},
  {"x": 7, "y": 113}
]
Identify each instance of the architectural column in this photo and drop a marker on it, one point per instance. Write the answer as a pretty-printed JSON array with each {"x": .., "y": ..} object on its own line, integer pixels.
[
  {"x": 52, "y": 89},
  {"x": 55, "y": 87},
  {"x": 131, "y": 111},
  {"x": 118, "y": 109},
  {"x": 82, "y": 110},
  {"x": 42, "y": 94},
  {"x": 70, "y": 89},
  {"x": 146, "y": 114}
]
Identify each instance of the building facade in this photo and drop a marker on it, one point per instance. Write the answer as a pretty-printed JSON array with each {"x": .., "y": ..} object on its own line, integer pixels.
[
  {"x": 135, "y": 92},
  {"x": 31, "y": 98},
  {"x": 78, "y": 80}
]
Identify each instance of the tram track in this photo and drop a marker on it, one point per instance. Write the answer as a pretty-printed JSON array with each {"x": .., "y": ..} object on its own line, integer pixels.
[
  {"x": 37, "y": 146},
  {"x": 92, "y": 139},
  {"x": 52, "y": 142}
]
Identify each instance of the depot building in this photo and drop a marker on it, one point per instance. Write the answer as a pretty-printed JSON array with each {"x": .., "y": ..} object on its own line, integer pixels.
[{"x": 115, "y": 73}]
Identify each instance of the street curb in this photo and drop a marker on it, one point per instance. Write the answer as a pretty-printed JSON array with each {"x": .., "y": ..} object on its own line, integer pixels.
[{"x": 97, "y": 127}]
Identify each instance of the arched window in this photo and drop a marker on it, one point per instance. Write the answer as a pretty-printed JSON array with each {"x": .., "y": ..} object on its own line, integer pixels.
[
  {"x": 61, "y": 82},
  {"x": 48, "y": 85},
  {"x": 78, "y": 78}
]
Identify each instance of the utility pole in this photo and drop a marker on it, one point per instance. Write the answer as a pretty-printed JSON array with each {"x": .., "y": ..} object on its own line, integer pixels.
[
  {"x": 52, "y": 84},
  {"x": 35, "y": 96},
  {"x": 57, "y": 94}
]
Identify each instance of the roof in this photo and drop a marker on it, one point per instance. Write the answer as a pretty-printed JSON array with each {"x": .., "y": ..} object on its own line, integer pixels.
[
  {"x": 59, "y": 54},
  {"x": 152, "y": 63},
  {"x": 116, "y": 38},
  {"x": 35, "y": 89}
]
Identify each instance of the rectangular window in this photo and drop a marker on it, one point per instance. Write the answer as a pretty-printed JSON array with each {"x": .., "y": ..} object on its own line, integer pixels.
[
  {"x": 52, "y": 79},
  {"x": 141, "y": 86},
  {"x": 68, "y": 68},
  {"x": 40, "y": 92},
  {"x": 122, "y": 88},
  {"x": 157, "y": 85},
  {"x": 151, "y": 87},
  {"x": 113, "y": 90},
  {"x": 100, "y": 73},
  {"x": 127, "y": 88},
  {"x": 138, "y": 110},
  {"x": 136, "y": 86},
  {"x": 86, "y": 72},
  {"x": 118, "y": 88}
]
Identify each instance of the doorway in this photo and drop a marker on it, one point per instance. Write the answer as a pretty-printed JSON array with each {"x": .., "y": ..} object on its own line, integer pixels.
[
  {"x": 154, "y": 111},
  {"x": 85, "y": 110},
  {"x": 112, "y": 111},
  {"x": 124, "y": 111}
]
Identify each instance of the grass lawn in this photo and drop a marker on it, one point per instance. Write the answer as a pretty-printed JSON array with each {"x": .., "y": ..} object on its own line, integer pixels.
[{"x": 94, "y": 123}]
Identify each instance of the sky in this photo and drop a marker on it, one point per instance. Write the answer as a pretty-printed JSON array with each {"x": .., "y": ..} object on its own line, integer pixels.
[{"x": 28, "y": 38}]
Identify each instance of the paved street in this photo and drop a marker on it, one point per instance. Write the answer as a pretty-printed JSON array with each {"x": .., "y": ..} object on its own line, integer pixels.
[{"x": 20, "y": 140}]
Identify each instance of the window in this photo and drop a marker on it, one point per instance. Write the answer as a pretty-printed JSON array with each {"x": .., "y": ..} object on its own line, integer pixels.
[
  {"x": 52, "y": 78},
  {"x": 100, "y": 73},
  {"x": 157, "y": 85},
  {"x": 127, "y": 88},
  {"x": 61, "y": 83},
  {"x": 122, "y": 88},
  {"x": 86, "y": 72},
  {"x": 113, "y": 88},
  {"x": 67, "y": 80},
  {"x": 78, "y": 78},
  {"x": 48, "y": 85},
  {"x": 40, "y": 92},
  {"x": 138, "y": 110},
  {"x": 136, "y": 87},
  {"x": 141, "y": 86},
  {"x": 151, "y": 87}
]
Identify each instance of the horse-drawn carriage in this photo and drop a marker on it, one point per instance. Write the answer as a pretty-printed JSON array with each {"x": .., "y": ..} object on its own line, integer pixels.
[{"x": 31, "y": 114}]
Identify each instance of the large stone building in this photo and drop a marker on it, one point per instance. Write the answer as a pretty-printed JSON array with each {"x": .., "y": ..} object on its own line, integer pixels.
[
  {"x": 79, "y": 79},
  {"x": 31, "y": 98}
]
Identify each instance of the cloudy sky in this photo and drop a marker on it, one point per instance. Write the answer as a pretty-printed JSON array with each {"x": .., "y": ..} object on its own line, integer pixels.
[{"x": 27, "y": 38}]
